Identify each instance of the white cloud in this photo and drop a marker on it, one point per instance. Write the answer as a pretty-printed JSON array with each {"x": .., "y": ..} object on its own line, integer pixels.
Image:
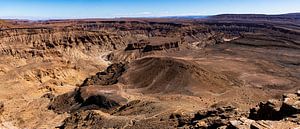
[
  {"x": 144, "y": 13},
  {"x": 138, "y": 14}
]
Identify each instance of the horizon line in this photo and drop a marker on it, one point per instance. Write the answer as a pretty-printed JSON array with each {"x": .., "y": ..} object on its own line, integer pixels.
[{"x": 37, "y": 18}]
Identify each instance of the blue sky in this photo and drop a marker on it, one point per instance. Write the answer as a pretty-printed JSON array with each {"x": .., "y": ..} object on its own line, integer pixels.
[{"x": 47, "y": 9}]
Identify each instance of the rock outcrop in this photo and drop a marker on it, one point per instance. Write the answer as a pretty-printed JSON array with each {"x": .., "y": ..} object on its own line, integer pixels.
[
  {"x": 87, "y": 98},
  {"x": 147, "y": 47},
  {"x": 108, "y": 77},
  {"x": 269, "y": 110},
  {"x": 213, "y": 118},
  {"x": 159, "y": 47},
  {"x": 136, "y": 46},
  {"x": 273, "y": 114},
  {"x": 289, "y": 106},
  {"x": 67, "y": 102},
  {"x": 245, "y": 123},
  {"x": 94, "y": 93},
  {"x": 79, "y": 120}
]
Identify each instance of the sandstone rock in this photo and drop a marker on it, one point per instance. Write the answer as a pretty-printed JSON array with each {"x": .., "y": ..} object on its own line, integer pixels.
[
  {"x": 241, "y": 123},
  {"x": 245, "y": 123},
  {"x": 201, "y": 124},
  {"x": 298, "y": 92},
  {"x": 261, "y": 125},
  {"x": 291, "y": 104},
  {"x": 267, "y": 124}
]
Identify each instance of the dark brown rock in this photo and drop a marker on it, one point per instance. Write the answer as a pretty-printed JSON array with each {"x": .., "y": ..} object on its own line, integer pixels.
[
  {"x": 1, "y": 107},
  {"x": 85, "y": 99},
  {"x": 290, "y": 104},
  {"x": 67, "y": 102},
  {"x": 269, "y": 110},
  {"x": 108, "y": 77},
  {"x": 159, "y": 47},
  {"x": 277, "y": 110}
]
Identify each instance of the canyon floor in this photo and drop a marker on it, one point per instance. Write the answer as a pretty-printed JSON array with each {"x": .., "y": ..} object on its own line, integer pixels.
[{"x": 226, "y": 71}]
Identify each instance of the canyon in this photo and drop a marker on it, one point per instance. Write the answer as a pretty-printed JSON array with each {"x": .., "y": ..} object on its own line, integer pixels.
[{"x": 224, "y": 71}]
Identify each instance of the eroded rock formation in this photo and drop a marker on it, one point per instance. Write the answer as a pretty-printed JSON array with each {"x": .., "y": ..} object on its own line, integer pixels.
[
  {"x": 108, "y": 77},
  {"x": 275, "y": 114},
  {"x": 92, "y": 93},
  {"x": 87, "y": 98}
]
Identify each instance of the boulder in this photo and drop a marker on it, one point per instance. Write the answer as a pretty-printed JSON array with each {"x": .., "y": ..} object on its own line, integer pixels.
[
  {"x": 277, "y": 110},
  {"x": 267, "y": 124},
  {"x": 245, "y": 123},
  {"x": 240, "y": 123},
  {"x": 291, "y": 104},
  {"x": 269, "y": 110}
]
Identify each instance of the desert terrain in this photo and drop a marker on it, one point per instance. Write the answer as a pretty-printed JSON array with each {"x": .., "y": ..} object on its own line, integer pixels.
[{"x": 224, "y": 71}]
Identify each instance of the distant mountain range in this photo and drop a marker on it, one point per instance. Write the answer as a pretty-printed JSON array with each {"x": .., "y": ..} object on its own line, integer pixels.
[
  {"x": 257, "y": 16},
  {"x": 188, "y": 17},
  {"x": 289, "y": 16}
]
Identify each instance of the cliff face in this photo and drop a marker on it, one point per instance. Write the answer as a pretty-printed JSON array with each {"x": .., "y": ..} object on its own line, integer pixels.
[
  {"x": 32, "y": 39},
  {"x": 33, "y": 42}
]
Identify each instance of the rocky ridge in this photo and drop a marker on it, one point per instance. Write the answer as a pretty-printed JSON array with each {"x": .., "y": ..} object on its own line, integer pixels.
[
  {"x": 221, "y": 117},
  {"x": 271, "y": 114}
]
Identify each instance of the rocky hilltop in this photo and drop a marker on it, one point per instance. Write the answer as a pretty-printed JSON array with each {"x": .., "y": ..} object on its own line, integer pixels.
[{"x": 217, "y": 72}]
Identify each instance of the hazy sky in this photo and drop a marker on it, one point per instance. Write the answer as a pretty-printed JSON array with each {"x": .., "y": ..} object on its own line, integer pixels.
[{"x": 44, "y": 9}]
